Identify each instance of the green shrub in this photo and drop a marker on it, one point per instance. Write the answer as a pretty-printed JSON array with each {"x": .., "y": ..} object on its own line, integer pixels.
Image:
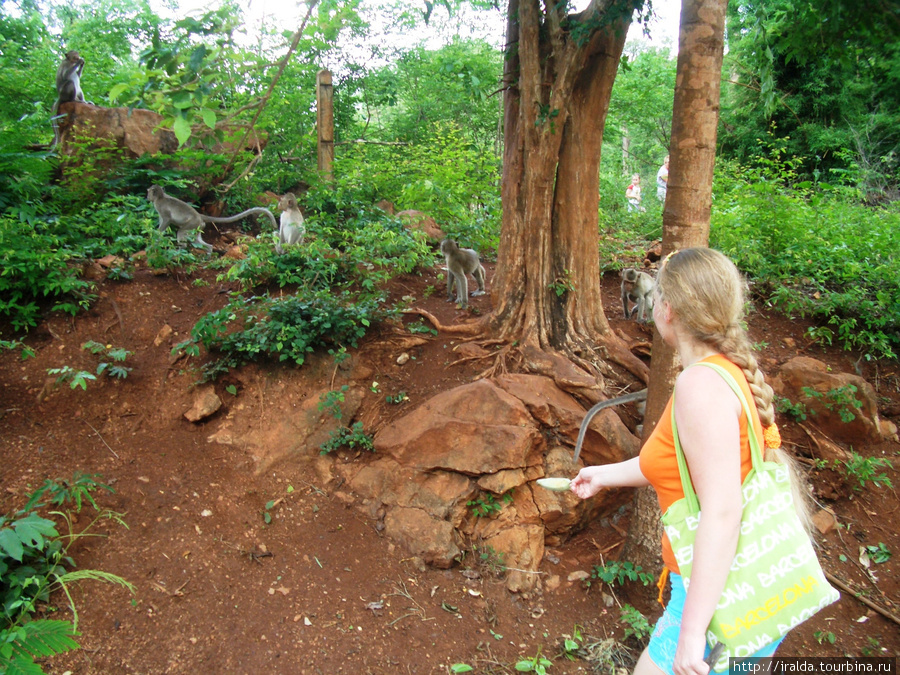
[
  {"x": 34, "y": 558},
  {"x": 286, "y": 328},
  {"x": 33, "y": 266}
]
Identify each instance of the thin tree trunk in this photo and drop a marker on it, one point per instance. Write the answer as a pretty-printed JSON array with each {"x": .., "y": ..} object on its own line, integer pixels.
[{"x": 695, "y": 118}]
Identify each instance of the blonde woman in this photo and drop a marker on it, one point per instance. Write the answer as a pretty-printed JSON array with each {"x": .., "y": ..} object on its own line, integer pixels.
[{"x": 698, "y": 308}]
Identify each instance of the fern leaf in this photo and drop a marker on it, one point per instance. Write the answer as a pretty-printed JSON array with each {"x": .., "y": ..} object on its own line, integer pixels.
[{"x": 42, "y": 637}]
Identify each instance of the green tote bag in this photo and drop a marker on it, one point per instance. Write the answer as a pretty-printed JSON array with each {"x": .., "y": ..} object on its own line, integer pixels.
[{"x": 775, "y": 581}]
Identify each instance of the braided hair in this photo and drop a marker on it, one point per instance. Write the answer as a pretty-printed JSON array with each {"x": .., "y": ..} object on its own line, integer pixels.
[{"x": 707, "y": 294}]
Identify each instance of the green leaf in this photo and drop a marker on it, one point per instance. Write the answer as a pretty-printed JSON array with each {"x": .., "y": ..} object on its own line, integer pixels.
[
  {"x": 461, "y": 668},
  {"x": 209, "y": 117},
  {"x": 182, "y": 129},
  {"x": 116, "y": 91},
  {"x": 11, "y": 544}
]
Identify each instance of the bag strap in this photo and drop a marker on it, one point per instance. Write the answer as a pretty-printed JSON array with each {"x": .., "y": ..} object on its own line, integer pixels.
[{"x": 755, "y": 450}]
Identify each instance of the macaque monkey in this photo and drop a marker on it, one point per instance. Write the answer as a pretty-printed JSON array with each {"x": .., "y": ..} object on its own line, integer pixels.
[
  {"x": 68, "y": 87},
  {"x": 292, "y": 228},
  {"x": 460, "y": 262},
  {"x": 638, "y": 288},
  {"x": 185, "y": 217}
]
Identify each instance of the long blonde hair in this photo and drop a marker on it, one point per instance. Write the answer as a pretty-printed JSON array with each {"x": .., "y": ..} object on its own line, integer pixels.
[{"x": 707, "y": 294}]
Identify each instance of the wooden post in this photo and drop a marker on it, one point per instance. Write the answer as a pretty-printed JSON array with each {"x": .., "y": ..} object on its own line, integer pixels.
[{"x": 325, "y": 123}]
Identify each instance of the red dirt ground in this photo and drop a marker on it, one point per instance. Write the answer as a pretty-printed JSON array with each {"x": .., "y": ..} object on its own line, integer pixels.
[{"x": 218, "y": 590}]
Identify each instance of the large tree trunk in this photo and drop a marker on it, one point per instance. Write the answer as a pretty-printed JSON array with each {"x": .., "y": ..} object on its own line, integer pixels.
[
  {"x": 695, "y": 118},
  {"x": 558, "y": 76}
]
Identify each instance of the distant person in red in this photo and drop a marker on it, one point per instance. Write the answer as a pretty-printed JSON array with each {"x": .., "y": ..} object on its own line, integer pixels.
[
  {"x": 662, "y": 180},
  {"x": 633, "y": 194}
]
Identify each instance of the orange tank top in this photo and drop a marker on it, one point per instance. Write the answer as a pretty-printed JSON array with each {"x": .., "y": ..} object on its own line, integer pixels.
[{"x": 658, "y": 462}]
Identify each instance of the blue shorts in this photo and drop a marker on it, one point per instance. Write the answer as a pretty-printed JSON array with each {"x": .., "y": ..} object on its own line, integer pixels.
[{"x": 664, "y": 639}]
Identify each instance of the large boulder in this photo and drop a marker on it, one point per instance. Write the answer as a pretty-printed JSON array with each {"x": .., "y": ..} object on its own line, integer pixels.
[
  {"x": 474, "y": 429},
  {"x": 828, "y": 398},
  {"x": 416, "y": 220},
  {"x": 126, "y": 133}
]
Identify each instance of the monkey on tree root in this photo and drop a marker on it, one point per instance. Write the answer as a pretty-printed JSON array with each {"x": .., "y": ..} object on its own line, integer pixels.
[
  {"x": 188, "y": 220},
  {"x": 292, "y": 228},
  {"x": 460, "y": 262},
  {"x": 637, "y": 287},
  {"x": 68, "y": 87}
]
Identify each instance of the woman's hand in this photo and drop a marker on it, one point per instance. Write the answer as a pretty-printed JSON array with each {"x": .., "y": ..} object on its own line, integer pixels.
[
  {"x": 588, "y": 482},
  {"x": 689, "y": 655}
]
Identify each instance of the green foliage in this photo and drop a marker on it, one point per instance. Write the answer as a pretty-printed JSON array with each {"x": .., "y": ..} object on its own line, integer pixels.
[
  {"x": 352, "y": 437},
  {"x": 331, "y": 401},
  {"x": 879, "y": 554},
  {"x": 27, "y": 352},
  {"x": 68, "y": 493},
  {"x": 864, "y": 470},
  {"x": 35, "y": 265},
  {"x": 461, "y": 668},
  {"x": 110, "y": 359},
  {"x": 33, "y": 562},
  {"x": 75, "y": 378},
  {"x": 487, "y": 504},
  {"x": 828, "y": 77},
  {"x": 811, "y": 251},
  {"x": 636, "y": 624},
  {"x": 397, "y": 399},
  {"x": 286, "y": 328},
  {"x": 617, "y": 572},
  {"x": 840, "y": 400},
  {"x": 796, "y": 410},
  {"x": 535, "y": 664},
  {"x": 824, "y": 636},
  {"x": 572, "y": 645}
]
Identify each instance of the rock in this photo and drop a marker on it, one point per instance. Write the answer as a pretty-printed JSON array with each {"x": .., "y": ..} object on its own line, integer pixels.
[
  {"x": 437, "y": 493},
  {"x": 520, "y": 547},
  {"x": 236, "y": 252},
  {"x": 578, "y": 575},
  {"x": 607, "y": 440},
  {"x": 302, "y": 432},
  {"x": 473, "y": 429},
  {"x": 563, "y": 512},
  {"x": 402, "y": 359},
  {"x": 416, "y": 220},
  {"x": 387, "y": 207},
  {"x": 163, "y": 335},
  {"x": 503, "y": 481},
  {"x": 434, "y": 540},
  {"x": 888, "y": 430},
  {"x": 110, "y": 261},
  {"x": 552, "y": 582},
  {"x": 93, "y": 271},
  {"x": 824, "y": 521},
  {"x": 206, "y": 403},
  {"x": 833, "y": 395},
  {"x": 134, "y": 132}
]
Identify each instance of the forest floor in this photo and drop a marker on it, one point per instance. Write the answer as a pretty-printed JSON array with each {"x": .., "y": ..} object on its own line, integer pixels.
[{"x": 218, "y": 589}]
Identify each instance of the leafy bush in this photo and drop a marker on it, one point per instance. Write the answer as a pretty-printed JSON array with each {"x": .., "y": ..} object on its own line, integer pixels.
[
  {"x": 34, "y": 559},
  {"x": 812, "y": 251},
  {"x": 285, "y": 328},
  {"x": 619, "y": 572},
  {"x": 351, "y": 437},
  {"x": 35, "y": 265}
]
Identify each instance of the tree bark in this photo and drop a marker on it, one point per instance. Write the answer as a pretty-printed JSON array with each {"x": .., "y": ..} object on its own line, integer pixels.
[
  {"x": 695, "y": 118},
  {"x": 558, "y": 80}
]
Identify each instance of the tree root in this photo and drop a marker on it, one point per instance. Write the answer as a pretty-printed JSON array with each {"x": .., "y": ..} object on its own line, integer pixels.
[{"x": 476, "y": 327}]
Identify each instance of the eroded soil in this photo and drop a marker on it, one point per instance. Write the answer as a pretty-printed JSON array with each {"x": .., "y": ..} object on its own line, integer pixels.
[{"x": 319, "y": 589}]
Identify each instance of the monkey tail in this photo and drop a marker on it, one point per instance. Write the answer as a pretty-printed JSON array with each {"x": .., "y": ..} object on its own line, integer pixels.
[{"x": 257, "y": 210}]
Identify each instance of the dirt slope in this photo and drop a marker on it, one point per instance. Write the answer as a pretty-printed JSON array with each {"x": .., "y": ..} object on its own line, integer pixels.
[{"x": 318, "y": 589}]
